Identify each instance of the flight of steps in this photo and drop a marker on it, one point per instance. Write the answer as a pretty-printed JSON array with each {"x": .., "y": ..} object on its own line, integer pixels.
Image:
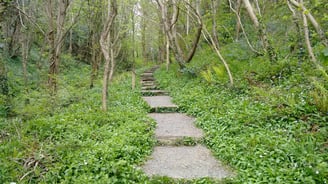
[{"x": 171, "y": 157}]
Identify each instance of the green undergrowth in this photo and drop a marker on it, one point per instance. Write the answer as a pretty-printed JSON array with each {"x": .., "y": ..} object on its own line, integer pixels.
[
  {"x": 266, "y": 128},
  {"x": 68, "y": 139}
]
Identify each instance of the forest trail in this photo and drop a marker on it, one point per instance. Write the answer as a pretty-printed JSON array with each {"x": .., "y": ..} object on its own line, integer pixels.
[{"x": 170, "y": 157}]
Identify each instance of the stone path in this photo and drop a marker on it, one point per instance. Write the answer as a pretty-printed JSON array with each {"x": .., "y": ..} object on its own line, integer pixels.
[{"x": 185, "y": 162}]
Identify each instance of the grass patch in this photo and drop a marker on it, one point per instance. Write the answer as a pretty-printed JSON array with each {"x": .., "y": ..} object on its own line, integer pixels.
[
  {"x": 72, "y": 140},
  {"x": 268, "y": 133}
]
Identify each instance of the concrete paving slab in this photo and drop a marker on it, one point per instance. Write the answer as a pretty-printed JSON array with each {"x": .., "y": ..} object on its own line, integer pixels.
[
  {"x": 147, "y": 79},
  {"x": 153, "y": 92},
  {"x": 149, "y": 87},
  {"x": 185, "y": 162},
  {"x": 175, "y": 125},
  {"x": 159, "y": 101},
  {"x": 147, "y": 74},
  {"x": 147, "y": 83}
]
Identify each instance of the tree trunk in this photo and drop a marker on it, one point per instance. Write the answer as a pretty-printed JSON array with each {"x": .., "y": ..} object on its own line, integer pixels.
[
  {"x": 167, "y": 53},
  {"x": 94, "y": 60},
  {"x": 313, "y": 21},
  {"x": 143, "y": 35},
  {"x": 188, "y": 20},
  {"x": 25, "y": 52},
  {"x": 214, "y": 6},
  {"x": 262, "y": 31},
  {"x": 296, "y": 20},
  {"x": 104, "y": 40},
  {"x": 56, "y": 38},
  {"x": 133, "y": 80},
  {"x": 112, "y": 64},
  {"x": 169, "y": 19},
  {"x": 238, "y": 6},
  {"x": 4, "y": 88},
  {"x": 307, "y": 40}
]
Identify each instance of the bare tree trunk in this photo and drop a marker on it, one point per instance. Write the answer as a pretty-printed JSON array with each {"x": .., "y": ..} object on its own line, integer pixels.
[
  {"x": 24, "y": 39},
  {"x": 307, "y": 40},
  {"x": 112, "y": 64},
  {"x": 296, "y": 19},
  {"x": 198, "y": 33},
  {"x": 105, "y": 79},
  {"x": 238, "y": 25},
  {"x": 188, "y": 20},
  {"x": 143, "y": 35},
  {"x": 262, "y": 32},
  {"x": 313, "y": 21},
  {"x": 4, "y": 87},
  {"x": 25, "y": 53},
  {"x": 104, "y": 40},
  {"x": 70, "y": 47},
  {"x": 56, "y": 37},
  {"x": 170, "y": 19},
  {"x": 133, "y": 81},
  {"x": 197, "y": 6},
  {"x": 133, "y": 72},
  {"x": 242, "y": 28},
  {"x": 94, "y": 60},
  {"x": 214, "y": 6},
  {"x": 167, "y": 53}
]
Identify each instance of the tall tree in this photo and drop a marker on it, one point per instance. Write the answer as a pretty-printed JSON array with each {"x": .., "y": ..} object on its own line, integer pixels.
[
  {"x": 170, "y": 18},
  {"x": 56, "y": 35},
  {"x": 261, "y": 30},
  {"x": 314, "y": 22},
  {"x": 214, "y": 7},
  {"x": 107, "y": 49},
  {"x": 94, "y": 22}
]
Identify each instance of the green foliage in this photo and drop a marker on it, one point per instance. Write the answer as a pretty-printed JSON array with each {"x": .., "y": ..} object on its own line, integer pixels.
[
  {"x": 70, "y": 140},
  {"x": 269, "y": 133},
  {"x": 320, "y": 96},
  {"x": 214, "y": 74}
]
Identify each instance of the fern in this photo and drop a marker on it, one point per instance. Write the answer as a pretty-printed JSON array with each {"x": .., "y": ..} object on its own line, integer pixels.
[
  {"x": 320, "y": 96},
  {"x": 219, "y": 71},
  {"x": 207, "y": 75}
]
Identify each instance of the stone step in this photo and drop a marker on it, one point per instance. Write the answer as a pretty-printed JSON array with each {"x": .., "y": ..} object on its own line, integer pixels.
[
  {"x": 147, "y": 79},
  {"x": 175, "y": 126},
  {"x": 154, "y": 87},
  {"x": 160, "y": 103},
  {"x": 155, "y": 92},
  {"x": 148, "y": 84},
  {"x": 147, "y": 74},
  {"x": 185, "y": 162}
]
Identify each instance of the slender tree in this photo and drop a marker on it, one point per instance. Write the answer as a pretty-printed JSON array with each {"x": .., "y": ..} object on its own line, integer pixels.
[
  {"x": 261, "y": 30},
  {"x": 170, "y": 18},
  {"x": 105, "y": 38},
  {"x": 56, "y": 35},
  {"x": 314, "y": 22}
]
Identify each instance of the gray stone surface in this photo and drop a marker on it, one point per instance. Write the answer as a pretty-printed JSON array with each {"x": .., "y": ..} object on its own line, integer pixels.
[
  {"x": 184, "y": 162},
  {"x": 148, "y": 87},
  {"x": 148, "y": 83},
  {"x": 159, "y": 101},
  {"x": 153, "y": 92},
  {"x": 147, "y": 74},
  {"x": 175, "y": 125}
]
